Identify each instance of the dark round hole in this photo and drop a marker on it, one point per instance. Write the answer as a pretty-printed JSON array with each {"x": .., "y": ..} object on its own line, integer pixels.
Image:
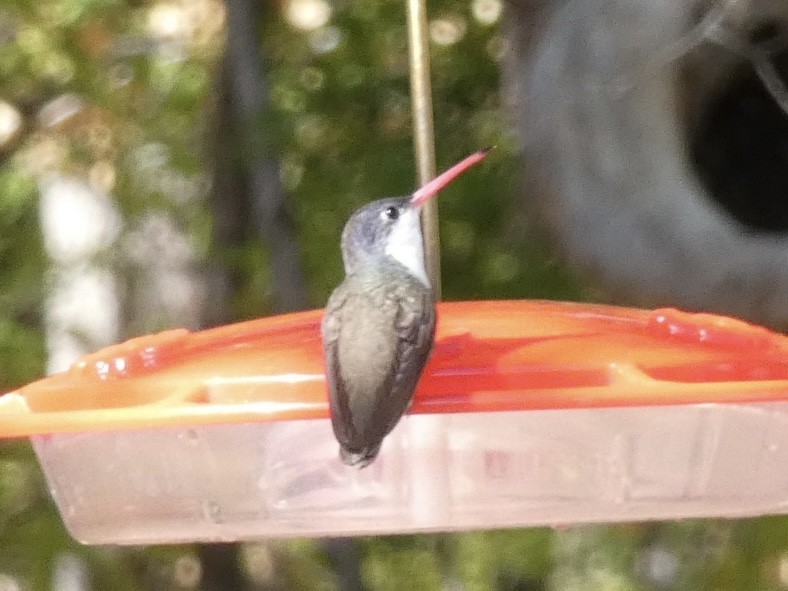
[{"x": 740, "y": 150}]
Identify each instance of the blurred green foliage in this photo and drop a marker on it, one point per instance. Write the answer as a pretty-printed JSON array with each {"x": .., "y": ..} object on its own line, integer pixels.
[
  {"x": 22, "y": 268},
  {"x": 143, "y": 75}
]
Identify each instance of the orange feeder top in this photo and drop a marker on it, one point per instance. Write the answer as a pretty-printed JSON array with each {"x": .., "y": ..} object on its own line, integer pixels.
[{"x": 488, "y": 356}]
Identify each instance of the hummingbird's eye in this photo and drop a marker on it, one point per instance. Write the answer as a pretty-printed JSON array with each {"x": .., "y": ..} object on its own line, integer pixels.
[{"x": 392, "y": 213}]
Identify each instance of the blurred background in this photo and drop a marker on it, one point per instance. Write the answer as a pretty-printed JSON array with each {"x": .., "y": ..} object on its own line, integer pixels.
[{"x": 192, "y": 162}]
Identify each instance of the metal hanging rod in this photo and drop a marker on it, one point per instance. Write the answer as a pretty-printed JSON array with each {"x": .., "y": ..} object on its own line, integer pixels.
[{"x": 423, "y": 132}]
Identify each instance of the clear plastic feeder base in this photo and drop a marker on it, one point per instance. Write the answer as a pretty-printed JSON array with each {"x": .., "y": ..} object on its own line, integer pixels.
[{"x": 435, "y": 472}]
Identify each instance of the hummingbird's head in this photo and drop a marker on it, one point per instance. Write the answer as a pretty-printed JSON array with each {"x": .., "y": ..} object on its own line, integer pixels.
[
  {"x": 387, "y": 228},
  {"x": 391, "y": 228}
]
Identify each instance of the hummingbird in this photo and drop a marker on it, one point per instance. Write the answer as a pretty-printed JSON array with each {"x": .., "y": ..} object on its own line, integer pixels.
[{"x": 379, "y": 323}]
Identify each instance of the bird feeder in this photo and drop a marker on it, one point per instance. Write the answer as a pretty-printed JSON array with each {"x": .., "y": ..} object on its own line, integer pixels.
[{"x": 528, "y": 413}]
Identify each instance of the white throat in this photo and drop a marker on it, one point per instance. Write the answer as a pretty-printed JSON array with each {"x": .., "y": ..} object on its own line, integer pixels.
[{"x": 405, "y": 244}]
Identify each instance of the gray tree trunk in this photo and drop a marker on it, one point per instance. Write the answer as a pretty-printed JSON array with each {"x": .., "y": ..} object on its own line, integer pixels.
[{"x": 250, "y": 99}]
